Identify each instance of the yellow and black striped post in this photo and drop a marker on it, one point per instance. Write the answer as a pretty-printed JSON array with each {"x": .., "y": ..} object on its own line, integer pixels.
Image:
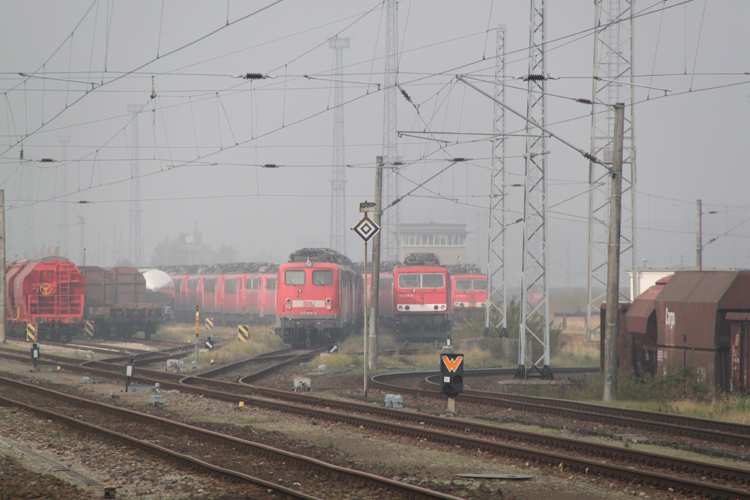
[
  {"x": 88, "y": 327},
  {"x": 242, "y": 333},
  {"x": 31, "y": 335},
  {"x": 209, "y": 323}
]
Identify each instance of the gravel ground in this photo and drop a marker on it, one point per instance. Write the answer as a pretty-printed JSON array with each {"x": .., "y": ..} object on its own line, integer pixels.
[{"x": 93, "y": 464}]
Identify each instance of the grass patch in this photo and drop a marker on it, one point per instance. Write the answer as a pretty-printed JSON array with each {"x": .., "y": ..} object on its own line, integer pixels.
[
  {"x": 261, "y": 340},
  {"x": 576, "y": 352}
]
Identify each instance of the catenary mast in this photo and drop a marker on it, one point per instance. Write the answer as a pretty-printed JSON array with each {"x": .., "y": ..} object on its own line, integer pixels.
[
  {"x": 496, "y": 274},
  {"x": 612, "y": 83},
  {"x": 338, "y": 174},
  {"x": 533, "y": 338},
  {"x": 134, "y": 250},
  {"x": 391, "y": 162},
  {"x": 64, "y": 229}
]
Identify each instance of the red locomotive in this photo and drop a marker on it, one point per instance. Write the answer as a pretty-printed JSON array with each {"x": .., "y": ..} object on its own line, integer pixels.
[
  {"x": 45, "y": 299},
  {"x": 230, "y": 294},
  {"x": 422, "y": 296},
  {"x": 319, "y": 299},
  {"x": 468, "y": 291}
]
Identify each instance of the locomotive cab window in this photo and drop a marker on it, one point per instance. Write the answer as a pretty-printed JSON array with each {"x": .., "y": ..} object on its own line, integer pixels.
[
  {"x": 408, "y": 280},
  {"x": 322, "y": 278},
  {"x": 294, "y": 278},
  {"x": 433, "y": 280},
  {"x": 463, "y": 285},
  {"x": 480, "y": 284},
  {"x": 271, "y": 284}
]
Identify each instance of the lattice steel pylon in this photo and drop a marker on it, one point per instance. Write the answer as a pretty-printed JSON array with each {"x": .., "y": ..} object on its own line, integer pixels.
[
  {"x": 30, "y": 184},
  {"x": 338, "y": 170},
  {"x": 534, "y": 326},
  {"x": 390, "y": 218},
  {"x": 496, "y": 273},
  {"x": 64, "y": 230},
  {"x": 612, "y": 83},
  {"x": 134, "y": 243}
]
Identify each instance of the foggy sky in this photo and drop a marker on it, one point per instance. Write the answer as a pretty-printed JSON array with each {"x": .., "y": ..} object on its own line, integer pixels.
[{"x": 204, "y": 136}]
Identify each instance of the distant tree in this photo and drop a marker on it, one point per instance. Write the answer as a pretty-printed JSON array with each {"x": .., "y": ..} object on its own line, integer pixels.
[{"x": 176, "y": 250}]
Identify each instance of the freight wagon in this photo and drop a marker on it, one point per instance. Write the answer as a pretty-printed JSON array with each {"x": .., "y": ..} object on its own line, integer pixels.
[
  {"x": 116, "y": 303},
  {"x": 45, "y": 299}
]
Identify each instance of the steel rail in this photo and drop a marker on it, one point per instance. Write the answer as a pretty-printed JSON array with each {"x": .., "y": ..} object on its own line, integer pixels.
[
  {"x": 603, "y": 451},
  {"x": 303, "y": 462},
  {"x": 575, "y": 464},
  {"x": 681, "y": 425}
]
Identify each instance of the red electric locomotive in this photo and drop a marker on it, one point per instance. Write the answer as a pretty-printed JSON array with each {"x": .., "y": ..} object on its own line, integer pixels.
[
  {"x": 231, "y": 294},
  {"x": 45, "y": 299},
  {"x": 319, "y": 298},
  {"x": 468, "y": 291},
  {"x": 422, "y": 296}
]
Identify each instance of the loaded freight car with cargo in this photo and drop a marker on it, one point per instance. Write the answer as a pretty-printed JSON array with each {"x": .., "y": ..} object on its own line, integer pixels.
[{"x": 117, "y": 304}]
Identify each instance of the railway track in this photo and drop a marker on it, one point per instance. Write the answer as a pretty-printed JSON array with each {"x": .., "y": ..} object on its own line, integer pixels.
[
  {"x": 126, "y": 425},
  {"x": 666, "y": 423},
  {"x": 579, "y": 457}
]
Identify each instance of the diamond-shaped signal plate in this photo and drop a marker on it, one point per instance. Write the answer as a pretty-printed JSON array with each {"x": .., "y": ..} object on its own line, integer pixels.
[{"x": 366, "y": 228}]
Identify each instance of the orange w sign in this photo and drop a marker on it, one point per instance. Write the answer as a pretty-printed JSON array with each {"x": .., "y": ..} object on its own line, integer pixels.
[{"x": 452, "y": 364}]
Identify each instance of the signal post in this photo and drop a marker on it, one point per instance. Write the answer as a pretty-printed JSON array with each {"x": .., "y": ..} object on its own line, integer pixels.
[
  {"x": 451, "y": 378},
  {"x": 366, "y": 229}
]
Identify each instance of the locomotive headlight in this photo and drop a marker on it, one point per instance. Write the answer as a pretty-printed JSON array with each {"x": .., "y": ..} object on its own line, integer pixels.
[
  {"x": 456, "y": 304},
  {"x": 288, "y": 300},
  {"x": 406, "y": 307},
  {"x": 400, "y": 307},
  {"x": 328, "y": 301},
  {"x": 328, "y": 307},
  {"x": 288, "y": 307},
  {"x": 442, "y": 307},
  {"x": 436, "y": 307}
]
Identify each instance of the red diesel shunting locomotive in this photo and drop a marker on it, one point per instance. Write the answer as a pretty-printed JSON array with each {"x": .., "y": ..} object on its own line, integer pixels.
[
  {"x": 319, "y": 298},
  {"x": 422, "y": 296},
  {"x": 47, "y": 294}
]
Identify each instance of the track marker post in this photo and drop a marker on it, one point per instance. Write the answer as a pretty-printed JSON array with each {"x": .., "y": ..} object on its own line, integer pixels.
[
  {"x": 129, "y": 370},
  {"x": 197, "y": 329},
  {"x": 34, "y": 354}
]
